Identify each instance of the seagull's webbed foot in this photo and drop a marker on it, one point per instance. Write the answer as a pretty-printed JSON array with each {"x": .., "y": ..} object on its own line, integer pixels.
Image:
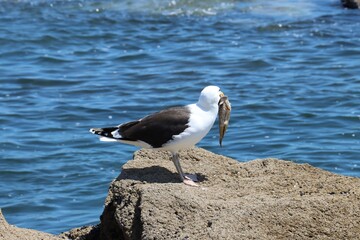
[
  {"x": 191, "y": 177},
  {"x": 190, "y": 182}
]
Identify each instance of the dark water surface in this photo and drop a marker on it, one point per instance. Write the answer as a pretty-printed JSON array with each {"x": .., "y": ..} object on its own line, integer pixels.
[{"x": 290, "y": 68}]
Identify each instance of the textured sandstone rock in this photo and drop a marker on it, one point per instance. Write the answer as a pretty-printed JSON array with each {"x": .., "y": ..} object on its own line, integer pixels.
[
  {"x": 261, "y": 199},
  {"x": 10, "y": 232}
]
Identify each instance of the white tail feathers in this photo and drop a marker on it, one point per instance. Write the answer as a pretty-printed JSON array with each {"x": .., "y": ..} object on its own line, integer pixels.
[
  {"x": 106, "y": 139},
  {"x": 115, "y": 134}
]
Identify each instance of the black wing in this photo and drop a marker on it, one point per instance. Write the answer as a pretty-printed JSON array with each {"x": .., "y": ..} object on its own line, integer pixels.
[{"x": 158, "y": 128}]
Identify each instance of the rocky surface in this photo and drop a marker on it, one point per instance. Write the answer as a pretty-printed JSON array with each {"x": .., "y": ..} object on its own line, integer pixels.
[
  {"x": 10, "y": 232},
  {"x": 260, "y": 199},
  {"x": 351, "y": 3}
]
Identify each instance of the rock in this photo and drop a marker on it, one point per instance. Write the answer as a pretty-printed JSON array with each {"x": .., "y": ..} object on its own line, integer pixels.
[
  {"x": 82, "y": 233},
  {"x": 10, "y": 232},
  {"x": 260, "y": 199},
  {"x": 351, "y": 3}
]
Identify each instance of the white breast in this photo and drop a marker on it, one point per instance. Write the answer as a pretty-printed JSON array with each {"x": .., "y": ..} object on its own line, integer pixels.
[{"x": 200, "y": 123}]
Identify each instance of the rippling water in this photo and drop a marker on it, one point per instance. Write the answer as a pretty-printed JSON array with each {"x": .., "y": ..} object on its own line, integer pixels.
[{"x": 290, "y": 68}]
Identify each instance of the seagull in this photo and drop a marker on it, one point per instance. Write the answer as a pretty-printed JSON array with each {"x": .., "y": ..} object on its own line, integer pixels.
[{"x": 172, "y": 129}]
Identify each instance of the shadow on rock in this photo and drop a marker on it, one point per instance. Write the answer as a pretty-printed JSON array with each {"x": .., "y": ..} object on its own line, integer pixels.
[{"x": 154, "y": 174}]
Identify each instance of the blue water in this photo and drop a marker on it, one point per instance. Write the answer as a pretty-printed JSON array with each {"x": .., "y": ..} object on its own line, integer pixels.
[{"x": 290, "y": 68}]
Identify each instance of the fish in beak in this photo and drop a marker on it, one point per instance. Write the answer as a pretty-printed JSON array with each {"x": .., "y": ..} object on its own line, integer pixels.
[{"x": 224, "y": 115}]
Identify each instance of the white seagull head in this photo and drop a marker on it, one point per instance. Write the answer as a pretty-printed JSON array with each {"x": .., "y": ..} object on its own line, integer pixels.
[{"x": 210, "y": 97}]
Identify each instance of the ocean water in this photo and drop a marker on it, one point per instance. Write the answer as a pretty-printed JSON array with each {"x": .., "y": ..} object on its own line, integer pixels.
[{"x": 290, "y": 68}]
